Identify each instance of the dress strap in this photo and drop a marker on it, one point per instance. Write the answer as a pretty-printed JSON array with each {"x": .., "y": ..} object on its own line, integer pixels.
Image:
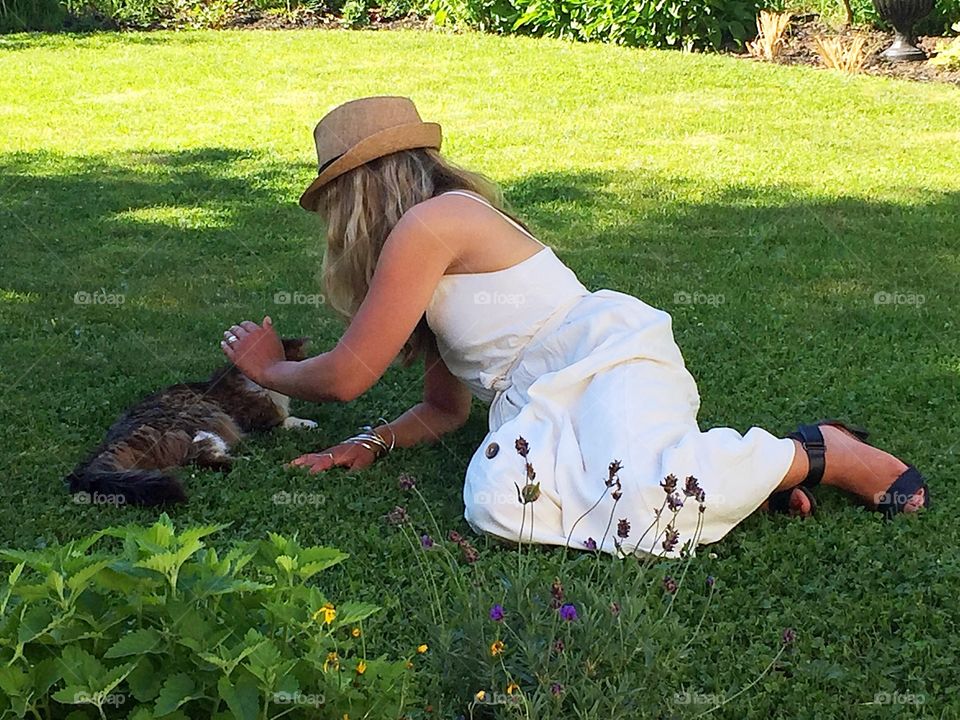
[{"x": 506, "y": 217}]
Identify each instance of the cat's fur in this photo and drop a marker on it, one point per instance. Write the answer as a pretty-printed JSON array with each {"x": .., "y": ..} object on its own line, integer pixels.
[{"x": 194, "y": 423}]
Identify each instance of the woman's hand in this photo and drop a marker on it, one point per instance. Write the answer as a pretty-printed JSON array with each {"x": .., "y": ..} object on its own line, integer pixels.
[
  {"x": 253, "y": 348},
  {"x": 348, "y": 455}
]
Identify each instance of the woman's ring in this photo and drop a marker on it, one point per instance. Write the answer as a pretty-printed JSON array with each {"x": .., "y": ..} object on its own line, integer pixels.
[{"x": 231, "y": 339}]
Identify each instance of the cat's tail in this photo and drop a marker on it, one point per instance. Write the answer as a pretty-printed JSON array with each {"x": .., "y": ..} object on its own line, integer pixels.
[{"x": 124, "y": 487}]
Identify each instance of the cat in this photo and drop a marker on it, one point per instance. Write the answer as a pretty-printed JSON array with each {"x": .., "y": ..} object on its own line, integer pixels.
[{"x": 191, "y": 423}]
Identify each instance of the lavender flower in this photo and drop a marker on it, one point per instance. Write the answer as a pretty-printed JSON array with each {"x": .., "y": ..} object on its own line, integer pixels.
[
  {"x": 398, "y": 516},
  {"x": 496, "y": 613},
  {"x": 671, "y": 538},
  {"x": 710, "y": 581},
  {"x": 406, "y": 482},
  {"x": 691, "y": 487},
  {"x": 669, "y": 483},
  {"x": 670, "y": 585},
  {"x": 568, "y": 612},
  {"x": 426, "y": 542},
  {"x": 558, "y": 646},
  {"x": 623, "y": 528},
  {"x": 789, "y": 636},
  {"x": 522, "y": 446},
  {"x": 556, "y": 689},
  {"x": 674, "y": 502},
  {"x": 590, "y": 544}
]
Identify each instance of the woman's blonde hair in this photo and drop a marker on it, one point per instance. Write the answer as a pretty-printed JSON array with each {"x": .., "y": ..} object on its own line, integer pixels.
[{"x": 361, "y": 207}]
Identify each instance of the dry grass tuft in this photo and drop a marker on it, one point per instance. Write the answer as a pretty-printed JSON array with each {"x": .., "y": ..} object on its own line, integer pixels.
[
  {"x": 838, "y": 55},
  {"x": 771, "y": 28}
]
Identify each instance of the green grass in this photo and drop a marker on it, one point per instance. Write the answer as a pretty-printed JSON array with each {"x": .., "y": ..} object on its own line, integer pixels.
[{"x": 165, "y": 167}]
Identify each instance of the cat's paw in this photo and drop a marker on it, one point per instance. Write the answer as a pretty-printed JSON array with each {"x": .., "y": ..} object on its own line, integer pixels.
[{"x": 292, "y": 423}]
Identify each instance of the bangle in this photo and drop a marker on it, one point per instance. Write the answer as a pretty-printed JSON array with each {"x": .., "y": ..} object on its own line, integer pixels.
[{"x": 372, "y": 440}]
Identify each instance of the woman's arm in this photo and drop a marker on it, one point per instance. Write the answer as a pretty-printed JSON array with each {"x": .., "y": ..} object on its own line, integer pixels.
[
  {"x": 415, "y": 256},
  {"x": 445, "y": 408}
]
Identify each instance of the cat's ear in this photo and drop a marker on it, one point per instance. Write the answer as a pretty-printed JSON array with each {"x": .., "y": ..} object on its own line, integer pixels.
[{"x": 295, "y": 348}]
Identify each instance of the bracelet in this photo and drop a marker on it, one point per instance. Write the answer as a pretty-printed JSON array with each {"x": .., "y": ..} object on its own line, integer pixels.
[{"x": 372, "y": 440}]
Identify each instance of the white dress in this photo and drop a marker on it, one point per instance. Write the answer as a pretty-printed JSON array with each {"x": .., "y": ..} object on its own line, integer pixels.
[{"x": 587, "y": 378}]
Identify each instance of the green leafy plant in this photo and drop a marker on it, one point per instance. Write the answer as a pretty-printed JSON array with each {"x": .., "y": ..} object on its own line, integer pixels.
[
  {"x": 948, "y": 53},
  {"x": 158, "y": 624}
]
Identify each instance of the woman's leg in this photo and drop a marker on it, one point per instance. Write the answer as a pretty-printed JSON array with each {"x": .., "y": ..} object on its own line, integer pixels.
[{"x": 850, "y": 465}]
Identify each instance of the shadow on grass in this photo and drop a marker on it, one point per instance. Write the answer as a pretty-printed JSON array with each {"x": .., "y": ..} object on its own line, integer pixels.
[{"x": 787, "y": 306}]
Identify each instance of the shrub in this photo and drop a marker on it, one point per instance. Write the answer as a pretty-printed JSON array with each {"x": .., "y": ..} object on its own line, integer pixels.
[
  {"x": 163, "y": 625},
  {"x": 19, "y": 15},
  {"x": 644, "y": 23},
  {"x": 948, "y": 53}
]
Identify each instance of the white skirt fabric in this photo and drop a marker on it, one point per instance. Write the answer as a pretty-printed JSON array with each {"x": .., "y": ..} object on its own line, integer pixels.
[{"x": 606, "y": 382}]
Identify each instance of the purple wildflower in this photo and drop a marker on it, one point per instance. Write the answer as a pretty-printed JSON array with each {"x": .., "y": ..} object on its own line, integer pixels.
[
  {"x": 558, "y": 646},
  {"x": 397, "y": 516},
  {"x": 710, "y": 581},
  {"x": 426, "y": 542},
  {"x": 496, "y": 613},
  {"x": 623, "y": 528},
  {"x": 789, "y": 636},
  {"x": 568, "y": 612},
  {"x": 669, "y": 584},
  {"x": 407, "y": 482},
  {"x": 671, "y": 538},
  {"x": 590, "y": 544},
  {"x": 556, "y": 689},
  {"x": 669, "y": 484},
  {"x": 674, "y": 502}
]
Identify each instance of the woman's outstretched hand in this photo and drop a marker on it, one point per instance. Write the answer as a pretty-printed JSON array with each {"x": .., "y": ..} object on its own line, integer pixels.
[
  {"x": 348, "y": 455},
  {"x": 253, "y": 348}
]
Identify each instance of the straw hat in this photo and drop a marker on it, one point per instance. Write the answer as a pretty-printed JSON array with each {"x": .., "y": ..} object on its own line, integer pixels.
[{"x": 363, "y": 130}]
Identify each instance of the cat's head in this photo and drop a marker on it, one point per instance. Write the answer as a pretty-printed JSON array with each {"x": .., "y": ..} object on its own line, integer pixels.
[{"x": 295, "y": 348}]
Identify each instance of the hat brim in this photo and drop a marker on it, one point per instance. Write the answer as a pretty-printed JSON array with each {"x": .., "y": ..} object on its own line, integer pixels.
[{"x": 385, "y": 142}]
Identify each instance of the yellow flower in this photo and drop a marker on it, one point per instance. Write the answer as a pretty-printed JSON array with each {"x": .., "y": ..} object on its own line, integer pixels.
[
  {"x": 497, "y": 648},
  {"x": 332, "y": 661},
  {"x": 355, "y": 632},
  {"x": 329, "y": 614},
  {"x": 481, "y": 694},
  {"x": 361, "y": 667},
  {"x": 422, "y": 649},
  {"x": 512, "y": 688}
]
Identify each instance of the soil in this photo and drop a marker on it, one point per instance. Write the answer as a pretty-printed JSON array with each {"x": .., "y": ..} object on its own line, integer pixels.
[
  {"x": 305, "y": 18},
  {"x": 800, "y": 49}
]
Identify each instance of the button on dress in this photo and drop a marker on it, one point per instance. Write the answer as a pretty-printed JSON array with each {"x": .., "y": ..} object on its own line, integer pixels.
[{"x": 586, "y": 379}]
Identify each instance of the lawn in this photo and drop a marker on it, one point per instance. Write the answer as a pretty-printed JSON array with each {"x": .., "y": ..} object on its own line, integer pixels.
[{"x": 802, "y": 227}]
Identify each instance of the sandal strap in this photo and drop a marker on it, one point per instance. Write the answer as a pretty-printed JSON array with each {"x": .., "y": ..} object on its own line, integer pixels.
[
  {"x": 895, "y": 499},
  {"x": 812, "y": 440}
]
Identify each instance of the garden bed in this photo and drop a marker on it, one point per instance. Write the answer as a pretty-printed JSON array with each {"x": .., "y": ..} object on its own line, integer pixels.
[{"x": 800, "y": 49}]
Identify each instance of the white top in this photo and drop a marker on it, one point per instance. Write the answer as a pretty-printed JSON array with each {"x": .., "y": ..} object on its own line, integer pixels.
[{"x": 483, "y": 321}]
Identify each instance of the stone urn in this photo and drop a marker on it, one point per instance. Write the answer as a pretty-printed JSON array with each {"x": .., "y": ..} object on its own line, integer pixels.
[{"x": 903, "y": 14}]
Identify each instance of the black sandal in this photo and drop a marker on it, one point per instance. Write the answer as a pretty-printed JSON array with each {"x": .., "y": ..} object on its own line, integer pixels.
[{"x": 890, "y": 503}]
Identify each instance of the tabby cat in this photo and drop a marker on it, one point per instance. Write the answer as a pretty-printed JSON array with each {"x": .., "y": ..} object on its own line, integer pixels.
[{"x": 188, "y": 423}]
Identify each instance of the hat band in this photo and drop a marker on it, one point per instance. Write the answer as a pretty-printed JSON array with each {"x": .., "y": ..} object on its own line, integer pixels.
[{"x": 328, "y": 163}]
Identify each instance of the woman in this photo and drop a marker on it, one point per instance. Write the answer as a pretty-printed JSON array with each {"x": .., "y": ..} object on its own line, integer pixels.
[{"x": 421, "y": 260}]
